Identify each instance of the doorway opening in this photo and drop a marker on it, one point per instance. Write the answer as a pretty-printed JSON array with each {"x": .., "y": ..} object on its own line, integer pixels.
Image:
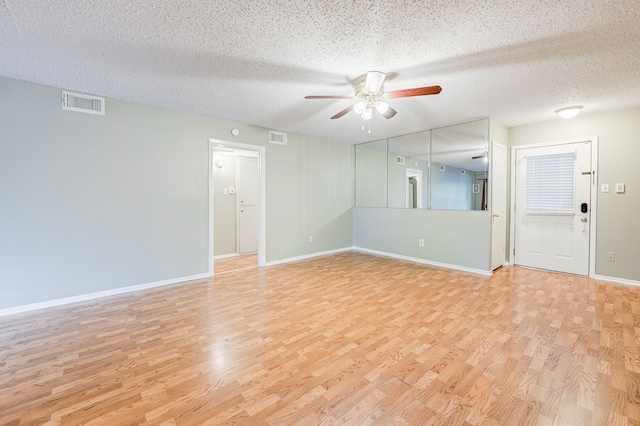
[
  {"x": 414, "y": 189},
  {"x": 236, "y": 206}
]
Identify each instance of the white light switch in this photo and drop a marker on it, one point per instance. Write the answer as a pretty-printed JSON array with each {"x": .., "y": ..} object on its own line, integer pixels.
[
  {"x": 620, "y": 188},
  {"x": 605, "y": 187}
]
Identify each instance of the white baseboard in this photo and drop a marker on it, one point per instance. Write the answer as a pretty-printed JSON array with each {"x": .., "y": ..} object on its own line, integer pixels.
[
  {"x": 308, "y": 256},
  {"x": 616, "y": 280},
  {"x": 122, "y": 290},
  {"x": 96, "y": 295},
  {"x": 425, "y": 262},
  {"x": 224, "y": 256}
]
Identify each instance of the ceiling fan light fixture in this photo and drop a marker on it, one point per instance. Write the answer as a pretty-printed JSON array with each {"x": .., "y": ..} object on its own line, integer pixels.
[
  {"x": 569, "y": 112},
  {"x": 374, "y": 81},
  {"x": 381, "y": 107},
  {"x": 370, "y": 94}
]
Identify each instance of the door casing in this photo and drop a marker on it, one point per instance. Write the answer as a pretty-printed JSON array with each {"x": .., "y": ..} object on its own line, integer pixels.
[
  {"x": 498, "y": 204},
  {"x": 262, "y": 222}
]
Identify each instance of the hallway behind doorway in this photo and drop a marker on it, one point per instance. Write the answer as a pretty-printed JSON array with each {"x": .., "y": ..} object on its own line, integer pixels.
[{"x": 235, "y": 263}]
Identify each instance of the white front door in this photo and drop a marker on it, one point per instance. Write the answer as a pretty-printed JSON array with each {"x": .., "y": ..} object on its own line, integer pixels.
[
  {"x": 498, "y": 181},
  {"x": 553, "y": 190}
]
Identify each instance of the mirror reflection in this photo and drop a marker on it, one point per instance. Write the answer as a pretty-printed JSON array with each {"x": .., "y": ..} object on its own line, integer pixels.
[
  {"x": 459, "y": 165},
  {"x": 408, "y": 183},
  {"x": 443, "y": 168}
]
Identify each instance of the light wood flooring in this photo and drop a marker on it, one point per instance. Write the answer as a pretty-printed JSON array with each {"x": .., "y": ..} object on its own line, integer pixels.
[
  {"x": 343, "y": 339},
  {"x": 235, "y": 263}
]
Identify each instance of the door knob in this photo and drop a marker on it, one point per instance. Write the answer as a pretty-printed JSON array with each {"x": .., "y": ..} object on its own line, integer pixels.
[{"x": 584, "y": 219}]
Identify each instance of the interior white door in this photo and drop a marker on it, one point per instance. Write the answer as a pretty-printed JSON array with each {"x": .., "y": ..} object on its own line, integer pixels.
[
  {"x": 247, "y": 181},
  {"x": 247, "y": 229},
  {"x": 553, "y": 190},
  {"x": 498, "y": 181},
  {"x": 247, "y": 190}
]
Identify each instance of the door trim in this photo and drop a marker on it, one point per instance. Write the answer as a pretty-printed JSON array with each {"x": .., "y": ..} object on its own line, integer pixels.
[
  {"x": 490, "y": 177},
  {"x": 594, "y": 196},
  {"x": 262, "y": 210}
]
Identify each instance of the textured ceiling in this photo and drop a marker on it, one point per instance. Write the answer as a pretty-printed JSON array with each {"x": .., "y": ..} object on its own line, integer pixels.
[{"x": 254, "y": 61}]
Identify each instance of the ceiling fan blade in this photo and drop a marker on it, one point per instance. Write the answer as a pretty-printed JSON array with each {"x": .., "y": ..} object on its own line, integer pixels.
[
  {"x": 343, "y": 112},
  {"x": 416, "y": 91},
  {"x": 329, "y": 97},
  {"x": 479, "y": 156},
  {"x": 374, "y": 81}
]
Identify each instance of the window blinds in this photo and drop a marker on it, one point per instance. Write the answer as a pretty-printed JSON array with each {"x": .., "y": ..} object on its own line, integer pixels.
[{"x": 550, "y": 184}]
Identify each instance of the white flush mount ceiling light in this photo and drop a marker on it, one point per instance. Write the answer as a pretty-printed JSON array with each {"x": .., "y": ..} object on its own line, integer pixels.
[{"x": 569, "y": 112}]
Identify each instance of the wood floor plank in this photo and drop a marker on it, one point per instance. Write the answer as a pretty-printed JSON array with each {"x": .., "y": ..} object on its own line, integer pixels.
[{"x": 342, "y": 339}]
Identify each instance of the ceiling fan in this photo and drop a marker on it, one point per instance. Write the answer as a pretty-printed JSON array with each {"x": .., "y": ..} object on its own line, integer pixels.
[{"x": 371, "y": 95}]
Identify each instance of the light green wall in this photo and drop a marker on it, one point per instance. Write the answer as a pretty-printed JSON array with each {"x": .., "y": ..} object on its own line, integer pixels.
[
  {"x": 371, "y": 174},
  {"x": 458, "y": 238},
  {"x": 94, "y": 203},
  {"x": 498, "y": 132},
  {"x": 309, "y": 193},
  {"x": 618, "y": 132}
]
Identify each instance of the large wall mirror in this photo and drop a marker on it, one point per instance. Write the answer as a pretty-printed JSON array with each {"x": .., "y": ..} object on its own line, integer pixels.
[
  {"x": 444, "y": 168},
  {"x": 459, "y": 165}
]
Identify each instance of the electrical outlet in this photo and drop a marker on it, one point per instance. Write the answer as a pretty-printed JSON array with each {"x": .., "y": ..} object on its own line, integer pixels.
[
  {"x": 421, "y": 243},
  {"x": 611, "y": 256},
  {"x": 310, "y": 238}
]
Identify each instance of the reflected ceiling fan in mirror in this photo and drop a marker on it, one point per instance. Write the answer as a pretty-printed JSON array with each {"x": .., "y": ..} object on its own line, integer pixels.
[
  {"x": 484, "y": 156},
  {"x": 371, "y": 95}
]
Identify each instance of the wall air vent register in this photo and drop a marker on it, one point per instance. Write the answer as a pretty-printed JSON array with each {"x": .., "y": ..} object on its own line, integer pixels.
[
  {"x": 277, "y": 137},
  {"x": 79, "y": 102}
]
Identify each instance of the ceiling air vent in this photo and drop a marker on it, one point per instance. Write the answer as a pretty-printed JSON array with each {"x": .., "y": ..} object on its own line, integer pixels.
[
  {"x": 277, "y": 137},
  {"x": 82, "y": 103}
]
